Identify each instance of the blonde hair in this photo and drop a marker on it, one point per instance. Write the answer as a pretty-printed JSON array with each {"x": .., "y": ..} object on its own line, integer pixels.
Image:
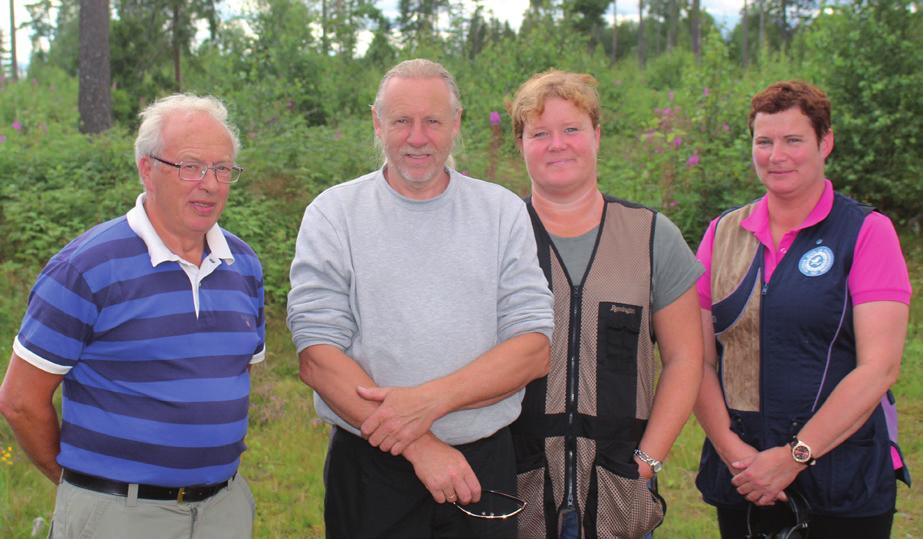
[{"x": 576, "y": 88}]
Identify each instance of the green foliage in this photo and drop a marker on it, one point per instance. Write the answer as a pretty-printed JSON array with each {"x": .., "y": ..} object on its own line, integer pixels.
[{"x": 868, "y": 57}]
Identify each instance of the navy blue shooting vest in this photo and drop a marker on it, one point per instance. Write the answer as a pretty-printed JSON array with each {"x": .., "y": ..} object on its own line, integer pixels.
[{"x": 783, "y": 347}]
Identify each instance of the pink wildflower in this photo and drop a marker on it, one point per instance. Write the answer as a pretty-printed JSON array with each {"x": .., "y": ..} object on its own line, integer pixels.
[
  {"x": 705, "y": 91},
  {"x": 677, "y": 142},
  {"x": 726, "y": 127},
  {"x": 693, "y": 160},
  {"x": 494, "y": 118},
  {"x": 16, "y": 125},
  {"x": 670, "y": 96},
  {"x": 2, "y": 139}
]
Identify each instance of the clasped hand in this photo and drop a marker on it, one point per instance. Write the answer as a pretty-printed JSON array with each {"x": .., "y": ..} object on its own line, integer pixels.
[
  {"x": 403, "y": 415},
  {"x": 765, "y": 475}
]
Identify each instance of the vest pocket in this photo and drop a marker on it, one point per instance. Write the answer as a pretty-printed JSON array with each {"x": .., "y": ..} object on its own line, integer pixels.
[
  {"x": 626, "y": 508},
  {"x": 531, "y": 487},
  {"x": 617, "y": 338}
]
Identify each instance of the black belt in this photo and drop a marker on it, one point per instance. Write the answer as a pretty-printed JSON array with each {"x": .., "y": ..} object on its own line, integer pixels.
[{"x": 195, "y": 493}]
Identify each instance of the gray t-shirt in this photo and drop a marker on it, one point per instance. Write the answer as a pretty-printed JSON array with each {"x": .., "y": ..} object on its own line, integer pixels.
[
  {"x": 415, "y": 290},
  {"x": 675, "y": 267}
]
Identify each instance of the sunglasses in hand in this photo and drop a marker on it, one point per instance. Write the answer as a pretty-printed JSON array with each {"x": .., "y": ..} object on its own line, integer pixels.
[{"x": 493, "y": 505}]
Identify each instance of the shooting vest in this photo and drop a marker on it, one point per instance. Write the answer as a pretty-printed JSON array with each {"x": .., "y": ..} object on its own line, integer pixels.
[
  {"x": 579, "y": 425},
  {"x": 783, "y": 346}
]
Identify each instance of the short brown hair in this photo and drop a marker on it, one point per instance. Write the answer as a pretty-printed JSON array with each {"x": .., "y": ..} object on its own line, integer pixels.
[
  {"x": 577, "y": 88},
  {"x": 783, "y": 95}
]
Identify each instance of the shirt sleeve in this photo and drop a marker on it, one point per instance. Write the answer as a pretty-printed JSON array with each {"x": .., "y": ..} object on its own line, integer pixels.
[
  {"x": 319, "y": 303},
  {"x": 260, "y": 352},
  {"x": 59, "y": 319},
  {"x": 524, "y": 300},
  {"x": 879, "y": 271},
  {"x": 675, "y": 267},
  {"x": 704, "y": 253}
]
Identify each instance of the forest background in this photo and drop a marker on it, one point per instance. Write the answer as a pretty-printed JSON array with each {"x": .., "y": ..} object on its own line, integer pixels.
[{"x": 675, "y": 93}]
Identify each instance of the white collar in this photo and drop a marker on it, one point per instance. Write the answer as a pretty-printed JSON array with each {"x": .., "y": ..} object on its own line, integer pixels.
[{"x": 158, "y": 251}]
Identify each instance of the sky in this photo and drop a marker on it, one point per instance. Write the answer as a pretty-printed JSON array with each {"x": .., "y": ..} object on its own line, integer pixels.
[{"x": 725, "y": 12}]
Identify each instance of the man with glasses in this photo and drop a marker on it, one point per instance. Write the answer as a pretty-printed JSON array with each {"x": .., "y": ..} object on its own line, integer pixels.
[
  {"x": 152, "y": 321},
  {"x": 419, "y": 312}
]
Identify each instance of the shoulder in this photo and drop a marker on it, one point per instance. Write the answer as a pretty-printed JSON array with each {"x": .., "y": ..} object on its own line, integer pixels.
[
  {"x": 106, "y": 241},
  {"x": 487, "y": 190},
  {"x": 616, "y": 202}
]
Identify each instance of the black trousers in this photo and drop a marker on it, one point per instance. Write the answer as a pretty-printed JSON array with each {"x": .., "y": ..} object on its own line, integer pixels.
[
  {"x": 733, "y": 524},
  {"x": 372, "y": 494}
]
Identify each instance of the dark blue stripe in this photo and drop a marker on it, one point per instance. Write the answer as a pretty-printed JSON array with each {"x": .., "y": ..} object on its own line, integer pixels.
[
  {"x": 172, "y": 369},
  {"x": 97, "y": 254},
  {"x": 159, "y": 327},
  {"x": 228, "y": 279},
  {"x": 159, "y": 455},
  {"x": 65, "y": 274},
  {"x": 187, "y": 413},
  {"x": 57, "y": 320},
  {"x": 158, "y": 282}
]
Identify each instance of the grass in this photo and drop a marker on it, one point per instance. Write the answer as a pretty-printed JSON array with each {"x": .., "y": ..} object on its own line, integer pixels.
[{"x": 284, "y": 462}]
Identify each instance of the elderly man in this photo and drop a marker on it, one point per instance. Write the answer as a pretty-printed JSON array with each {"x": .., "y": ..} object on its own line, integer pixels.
[
  {"x": 419, "y": 312},
  {"x": 152, "y": 321}
]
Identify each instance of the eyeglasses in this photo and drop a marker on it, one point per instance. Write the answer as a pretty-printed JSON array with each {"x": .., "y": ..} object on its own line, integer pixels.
[
  {"x": 193, "y": 171},
  {"x": 493, "y": 505}
]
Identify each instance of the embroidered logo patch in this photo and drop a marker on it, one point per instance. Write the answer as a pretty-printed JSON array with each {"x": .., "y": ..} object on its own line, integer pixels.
[{"x": 816, "y": 262}]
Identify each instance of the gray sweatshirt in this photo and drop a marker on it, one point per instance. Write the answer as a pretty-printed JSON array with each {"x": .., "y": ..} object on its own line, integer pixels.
[{"x": 415, "y": 290}]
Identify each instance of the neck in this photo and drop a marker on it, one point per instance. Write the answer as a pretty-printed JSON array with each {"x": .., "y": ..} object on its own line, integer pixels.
[
  {"x": 571, "y": 215},
  {"x": 423, "y": 190},
  {"x": 788, "y": 213},
  {"x": 189, "y": 249}
]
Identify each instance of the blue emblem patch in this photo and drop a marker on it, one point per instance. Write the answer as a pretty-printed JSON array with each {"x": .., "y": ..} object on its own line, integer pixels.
[{"x": 816, "y": 262}]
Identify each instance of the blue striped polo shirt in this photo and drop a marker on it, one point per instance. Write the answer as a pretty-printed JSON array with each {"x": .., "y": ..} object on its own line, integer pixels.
[{"x": 155, "y": 360}]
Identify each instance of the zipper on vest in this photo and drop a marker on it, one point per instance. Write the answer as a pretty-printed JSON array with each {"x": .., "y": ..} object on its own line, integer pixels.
[
  {"x": 570, "y": 439},
  {"x": 765, "y": 289}
]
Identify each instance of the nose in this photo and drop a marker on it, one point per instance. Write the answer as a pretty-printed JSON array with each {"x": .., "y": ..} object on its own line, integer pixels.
[
  {"x": 417, "y": 135},
  {"x": 776, "y": 153},
  {"x": 209, "y": 182},
  {"x": 557, "y": 140}
]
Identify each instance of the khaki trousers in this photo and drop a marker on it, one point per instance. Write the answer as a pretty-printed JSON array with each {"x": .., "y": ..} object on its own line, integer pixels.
[{"x": 82, "y": 514}]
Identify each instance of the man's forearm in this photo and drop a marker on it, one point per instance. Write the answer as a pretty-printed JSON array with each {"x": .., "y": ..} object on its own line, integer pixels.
[
  {"x": 39, "y": 436},
  {"x": 335, "y": 377},
  {"x": 498, "y": 373}
]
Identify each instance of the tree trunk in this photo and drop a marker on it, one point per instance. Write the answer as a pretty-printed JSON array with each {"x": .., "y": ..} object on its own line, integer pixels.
[
  {"x": 745, "y": 36},
  {"x": 615, "y": 31},
  {"x": 671, "y": 28},
  {"x": 695, "y": 31},
  {"x": 14, "y": 66},
  {"x": 94, "y": 100},
  {"x": 177, "y": 70},
  {"x": 641, "y": 32},
  {"x": 762, "y": 25}
]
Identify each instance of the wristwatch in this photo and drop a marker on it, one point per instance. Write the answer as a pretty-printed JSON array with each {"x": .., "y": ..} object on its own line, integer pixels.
[
  {"x": 655, "y": 464},
  {"x": 801, "y": 452}
]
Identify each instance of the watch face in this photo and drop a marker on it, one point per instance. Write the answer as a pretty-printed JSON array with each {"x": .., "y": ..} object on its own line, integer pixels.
[
  {"x": 801, "y": 452},
  {"x": 657, "y": 466}
]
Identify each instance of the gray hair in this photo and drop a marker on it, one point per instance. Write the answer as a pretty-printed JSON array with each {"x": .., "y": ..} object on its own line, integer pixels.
[
  {"x": 418, "y": 68},
  {"x": 150, "y": 133}
]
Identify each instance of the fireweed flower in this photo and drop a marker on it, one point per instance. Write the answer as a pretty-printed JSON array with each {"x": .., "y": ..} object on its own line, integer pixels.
[
  {"x": 494, "y": 118},
  {"x": 16, "y": 125},
  {"x": 677, "y": 142},
  {"x": 705, "y": 91},
  {"x": 693, "y": 160}
]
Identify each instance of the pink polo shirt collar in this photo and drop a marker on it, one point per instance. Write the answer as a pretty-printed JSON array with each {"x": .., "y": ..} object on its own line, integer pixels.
[{"x": 758, "y": 224}]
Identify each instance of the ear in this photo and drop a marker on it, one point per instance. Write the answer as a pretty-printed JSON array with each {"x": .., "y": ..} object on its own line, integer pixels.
[
  {"x": 826, "y": 144},
  {"x": 145, "y": 167},
  {"x": 456, "y": 123},
  {"x": 376, "y": 122}
]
